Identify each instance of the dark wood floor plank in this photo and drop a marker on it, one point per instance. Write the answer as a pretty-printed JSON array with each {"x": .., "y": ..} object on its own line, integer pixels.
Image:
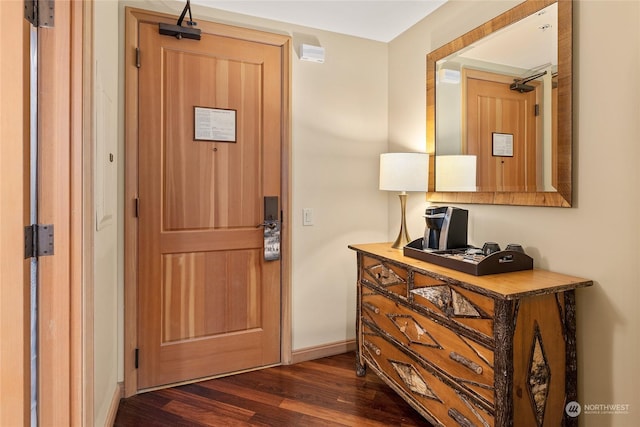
[
  {"x": 243, "y": 392},
  {"x": 298, "y": 383},
  {"x": 324, "y": 392},
  {"x": 330, "y": 415},
  {"x": 132, "y": 412},
  {"x": 256, "y": 406},
  {"x": 205, "y": 405},
  {"x": 329, "y": 391},
  {"x": 203, "y": 416}
]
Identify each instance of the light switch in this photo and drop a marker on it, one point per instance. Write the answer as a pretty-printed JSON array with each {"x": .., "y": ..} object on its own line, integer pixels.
[{"x": 307, "y": 216}]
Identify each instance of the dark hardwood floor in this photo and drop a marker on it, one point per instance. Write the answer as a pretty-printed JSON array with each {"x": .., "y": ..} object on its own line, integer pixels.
[{"x": 323, "y": 392}]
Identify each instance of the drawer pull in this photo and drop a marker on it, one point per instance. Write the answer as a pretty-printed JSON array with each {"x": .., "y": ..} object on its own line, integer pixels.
[
  {"x": 466, "y": 362},
  {"x": 460, "y": 419},
  {"x": 371, "y": 307},
  {"x": 374, "y": 348}
]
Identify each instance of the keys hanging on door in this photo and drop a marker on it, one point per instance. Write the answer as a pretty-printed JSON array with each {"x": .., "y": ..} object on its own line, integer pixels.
[{"x": 271, "y": 226}]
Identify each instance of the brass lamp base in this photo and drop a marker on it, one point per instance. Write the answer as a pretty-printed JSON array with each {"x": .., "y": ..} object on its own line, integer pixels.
[{"x": 403, "y": 236}]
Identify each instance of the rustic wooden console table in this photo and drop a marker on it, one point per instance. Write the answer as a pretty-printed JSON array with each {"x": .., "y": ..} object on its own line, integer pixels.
[{"x": 464, "y": 350}]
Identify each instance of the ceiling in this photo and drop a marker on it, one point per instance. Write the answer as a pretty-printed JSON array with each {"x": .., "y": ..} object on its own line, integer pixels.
[
  {"x": 381, "y": 20},
  {"x": 530, "y": 43}
]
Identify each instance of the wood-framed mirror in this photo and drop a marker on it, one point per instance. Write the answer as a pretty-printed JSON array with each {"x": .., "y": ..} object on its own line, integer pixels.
[{"x": 516, "y": 130}]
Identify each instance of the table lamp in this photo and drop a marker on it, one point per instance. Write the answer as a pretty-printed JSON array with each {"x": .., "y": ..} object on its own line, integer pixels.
[{"x": 404, "y": 172}]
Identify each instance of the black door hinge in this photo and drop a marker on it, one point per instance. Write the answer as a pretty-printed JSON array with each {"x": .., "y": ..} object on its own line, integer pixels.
[
  {"x": 536, "y": 110},
  {"x": 40, "y": 13},
  {"x": 136, "y": 357},
  {"x": 38, "y": 240}
]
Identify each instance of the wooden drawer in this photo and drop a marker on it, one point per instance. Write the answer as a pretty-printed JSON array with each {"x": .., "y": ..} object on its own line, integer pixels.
[
  {"x": 466, "y": 308},
  {"x": 465, "y": 361},
  {"x": 417, "y": 382},
  {"x": 386, "y": 276}
]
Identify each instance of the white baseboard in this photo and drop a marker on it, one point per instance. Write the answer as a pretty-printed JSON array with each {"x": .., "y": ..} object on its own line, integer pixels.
[{"x": 320, "y": 351}]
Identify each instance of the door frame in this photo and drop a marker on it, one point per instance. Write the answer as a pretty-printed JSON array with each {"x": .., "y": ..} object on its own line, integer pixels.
[
  {"x": 64, "y": 338},
  {"x": 65, "y": 382},
  {"x": 133, "y": 17},
  {"x": 14, "y": 192}
]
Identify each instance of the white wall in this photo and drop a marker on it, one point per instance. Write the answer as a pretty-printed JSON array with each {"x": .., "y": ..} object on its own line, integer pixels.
[
  {"x": 339, "y": 112},
  {"x": 107, "y": 348},
  {"x": 598, "y": 238}
]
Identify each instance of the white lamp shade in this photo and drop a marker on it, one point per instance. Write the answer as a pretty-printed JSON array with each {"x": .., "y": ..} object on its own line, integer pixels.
[
  {"x": 404, "y": 171},
  {"x": 456, "y": 173}
]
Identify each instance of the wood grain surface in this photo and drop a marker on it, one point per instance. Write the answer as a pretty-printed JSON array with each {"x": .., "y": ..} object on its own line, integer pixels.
[
  {"x": 323, "y": 392},
  {"x": 510, "y": 286}
]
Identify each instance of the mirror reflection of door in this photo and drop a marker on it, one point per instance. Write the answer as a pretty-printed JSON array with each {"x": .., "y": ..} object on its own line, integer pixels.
[{"x": 492, "y": 107}]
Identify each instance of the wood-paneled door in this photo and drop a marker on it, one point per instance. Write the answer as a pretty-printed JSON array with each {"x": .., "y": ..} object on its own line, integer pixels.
[
  {"x": 493, "y": 107},
  {"x": 208, "y": 302}
]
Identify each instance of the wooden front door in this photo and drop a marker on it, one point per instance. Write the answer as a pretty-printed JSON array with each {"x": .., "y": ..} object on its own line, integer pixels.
[
  {"x": 493, "y": 108},
  {"x": 208, "y": 301}
]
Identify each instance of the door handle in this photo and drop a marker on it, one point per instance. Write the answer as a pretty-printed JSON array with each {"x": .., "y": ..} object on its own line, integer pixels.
[
  {"x": 271, "y": 226},
  {"x": 270, "y": 213},
  {"x": 268, "y": 224}
]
